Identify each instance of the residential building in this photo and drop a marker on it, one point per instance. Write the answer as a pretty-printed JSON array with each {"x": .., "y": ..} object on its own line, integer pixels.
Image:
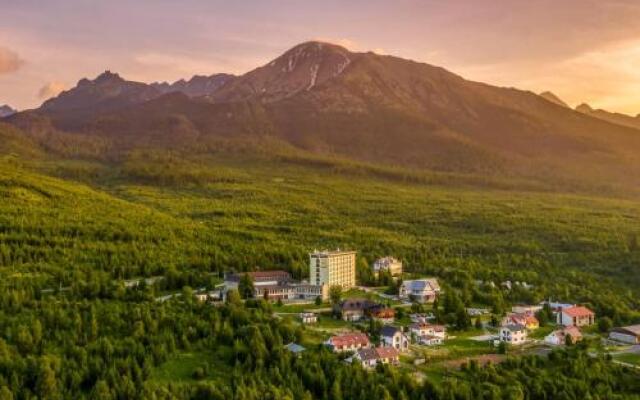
[
  {"x": 422, "y": 329},
  {"x": 348, "y": 342},
  {"x": 390, "y": 264},
  {"x": 513, "y": 334},
  {"x": 421, "y": 317},
  {"x": 559, "y": 337},
  {"x": 391, "y": 336},
  {"x": 576, "y": 316},
  {"x": 527, "y": 319},
  {"x": 430, "y": 340},
  {"x": 374, "y": 356},
  {"x": 382, "y": 313},
  {"x": 626, "y": 334},
  {"x": 308, "y": 318},
  {"x": 355, "y": 309},
  {"x": 333, "y": 268},
  {"x": 420, "y": 290}
]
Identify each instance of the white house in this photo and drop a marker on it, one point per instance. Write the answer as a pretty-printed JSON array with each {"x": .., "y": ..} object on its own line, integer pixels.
[
  {"x": 420, "y": 290},
  {"x": 626, "y": 334},
  {"x": 419, "y": 330},
  {"x": 559, "y": 337},
  {"x": 576, "y": 316},
  {"x": 374, "y": 356},
  {"x": 513, "y": 334},
  {"x": 390, "y": 336}
]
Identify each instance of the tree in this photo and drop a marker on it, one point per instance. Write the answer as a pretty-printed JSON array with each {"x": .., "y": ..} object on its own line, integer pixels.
[
  {"x": 478, "y": 323},
  {"x": 233, "y": 297},
  {"x": 318, "y": 301},
  {"x": 245, "y": 287},
  {"x": 502, "y": 348},
  {"x": 335, "y": 294},
  {"x": 605, "y": 324}
]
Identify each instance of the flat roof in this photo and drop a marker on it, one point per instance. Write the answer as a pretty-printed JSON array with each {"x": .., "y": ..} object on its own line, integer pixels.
[{"x": 326, "y": 253}]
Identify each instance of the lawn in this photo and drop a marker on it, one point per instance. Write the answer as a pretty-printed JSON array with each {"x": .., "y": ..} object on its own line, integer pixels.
[{"x": 630, "y": 358}]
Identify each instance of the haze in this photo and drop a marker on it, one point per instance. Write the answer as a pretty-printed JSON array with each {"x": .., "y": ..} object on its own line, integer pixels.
[{"x": 582, "y": 50}]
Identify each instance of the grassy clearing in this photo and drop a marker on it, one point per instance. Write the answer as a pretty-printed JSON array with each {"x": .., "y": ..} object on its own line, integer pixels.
[{"x": 630, "y": 358}]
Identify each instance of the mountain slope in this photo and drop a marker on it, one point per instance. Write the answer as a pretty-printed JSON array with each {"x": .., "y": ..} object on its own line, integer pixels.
[
  {"x": 380, "y": 109},
  {"x": 553, "y": 98},
  {"x": 615, "y": 118},
  {"x": 198, "y": 85}
]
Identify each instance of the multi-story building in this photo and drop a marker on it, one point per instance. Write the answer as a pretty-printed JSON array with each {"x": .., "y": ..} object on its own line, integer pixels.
[
  {"x": 576, "y": 316},
  {"x": 513, "y": 334},
  {"x": 390, "y": 264},
  {"x": 333, "y": 268}
]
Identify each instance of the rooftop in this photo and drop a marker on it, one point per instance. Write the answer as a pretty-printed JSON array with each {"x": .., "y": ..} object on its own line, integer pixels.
[
  {"x": 327, "y": 253},
  {"x": 578, "y": 311},
  {"x": 349, "y": 339},
  {"x": 515, "y": 327}
]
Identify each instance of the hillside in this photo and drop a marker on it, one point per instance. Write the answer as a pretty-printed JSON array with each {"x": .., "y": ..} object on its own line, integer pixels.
[
  {"x": 615, "y": 118},
  {"x": 384, "y": 110}
]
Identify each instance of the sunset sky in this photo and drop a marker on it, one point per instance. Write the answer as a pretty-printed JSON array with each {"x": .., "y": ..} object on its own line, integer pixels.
[{"x": 582, "y": 50}]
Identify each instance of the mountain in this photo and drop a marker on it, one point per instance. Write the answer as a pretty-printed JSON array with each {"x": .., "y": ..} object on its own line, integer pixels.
[
  {"x": 107, "y": 93},
  {"x": 554, "y": 99},
  {"x": 615, "y": 118},
  {"x": 385, "y": 110},
  {"x": 6, "y": 111},
  {"x": 198, "y": 85}
]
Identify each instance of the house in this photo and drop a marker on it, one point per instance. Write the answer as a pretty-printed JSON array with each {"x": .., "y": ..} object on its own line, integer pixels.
[
  {"x": 295, "y": 348},
  {"x": 348, "y": 342},
  {"x": 421, "y": 329},
  {"x": 420, "y": 290},
  {"x": 527, "y": 319},
  {"x": 308, "y": 318},
  {"x": 626, "y": 334},
  {"x": 214, "y": 295},
  {"x": 390, "y": 264},
  {"x": 559, "y": 337},
  {"x": 513, "y": 334},
  {"x": 576, "y": 316},
  {"x": 355, "y": 309},
  {"x": 379, "y": 355},
  {"x": 430, "y": 340},
  {"x": 381, "y": 313},
  {"x": 391, "y": 336}
]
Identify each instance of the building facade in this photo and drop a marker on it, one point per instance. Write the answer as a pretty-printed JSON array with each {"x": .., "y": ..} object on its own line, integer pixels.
[
  {"x": 626, "y": 334},
  {"x": 333, "y": 268},
  {"x": 513, "y": 334},
  {"x": 576, "y": 316},
  {"x": 390, "y": 264},
  {"x": 420, "y": 290}
]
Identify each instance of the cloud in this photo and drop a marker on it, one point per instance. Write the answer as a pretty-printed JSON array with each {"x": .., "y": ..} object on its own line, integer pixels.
[
  {"x": 9, "y": 61},
  {"x": 51, "y": 89}
]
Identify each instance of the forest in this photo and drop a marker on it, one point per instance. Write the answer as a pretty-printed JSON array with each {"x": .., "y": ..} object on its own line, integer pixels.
[{"x": 73, "y": 230}]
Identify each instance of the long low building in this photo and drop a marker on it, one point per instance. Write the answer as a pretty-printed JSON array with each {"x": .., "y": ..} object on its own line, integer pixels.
[
  {"x": 626, "y": 334},
  {"x": 278, "y": 285}
]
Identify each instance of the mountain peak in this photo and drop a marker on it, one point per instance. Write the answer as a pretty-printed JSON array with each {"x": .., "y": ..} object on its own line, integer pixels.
[
  {"x": 584, "y": 108},
  {"x": 108, "y": 76},
  {"x": 550, "y": 96},
  {"x": 6, "y": 111}
]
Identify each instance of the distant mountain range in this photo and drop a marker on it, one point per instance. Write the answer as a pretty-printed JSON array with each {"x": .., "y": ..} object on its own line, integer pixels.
[
  {"x": 324, "y": 99},
  {"x": 5, "y": 111}
]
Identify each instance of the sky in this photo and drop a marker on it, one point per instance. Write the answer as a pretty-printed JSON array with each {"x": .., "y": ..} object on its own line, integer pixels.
[{"x": 582, "y": 50}]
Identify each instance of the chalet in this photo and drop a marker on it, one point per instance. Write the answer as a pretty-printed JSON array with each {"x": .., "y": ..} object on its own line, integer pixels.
[
  {"x": 430, "y": 340},
  {"x": 348, "y": 342},
  {"x": 626, "y": 334},
  {"x": 559, "y": 337},
  {"x": 576, "y": 316},
  {"x": 513, "y": 334},
  {"x": 420, "y": 290},
  {"x": 390, "y": 264},
  {"x": 381, "y": 313},
  {"x": 355, "y": 309},
  {"x": 379, "y": 355},
  {"x": 391, "y": 336},
  {"x": 308, "y": 318}
]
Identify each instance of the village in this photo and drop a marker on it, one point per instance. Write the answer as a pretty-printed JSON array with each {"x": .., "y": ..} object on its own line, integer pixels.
[{"x": 373, "y": 326}]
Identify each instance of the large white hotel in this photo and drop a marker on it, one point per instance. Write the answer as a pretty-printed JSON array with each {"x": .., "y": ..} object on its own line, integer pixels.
[{"x": 333, "y": 268}]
